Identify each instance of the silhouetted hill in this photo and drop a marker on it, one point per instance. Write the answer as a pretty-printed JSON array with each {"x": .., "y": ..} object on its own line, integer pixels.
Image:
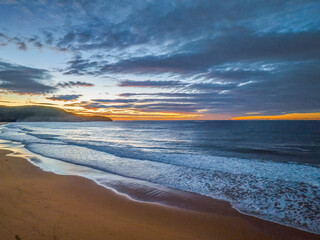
[{"x": 42, "y": 114}]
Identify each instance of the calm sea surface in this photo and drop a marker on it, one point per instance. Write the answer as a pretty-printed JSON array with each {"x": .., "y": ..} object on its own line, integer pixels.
[{"x": 269, "y": 169}]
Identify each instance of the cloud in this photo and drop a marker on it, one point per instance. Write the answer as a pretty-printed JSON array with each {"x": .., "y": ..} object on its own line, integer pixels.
[
  {"x": 3, "y": 39},
  {"x": 22, "y": 43},
  {"x": 22, "y": 46},
  {"x": 238, "y": 46},
  {"x": 149, "y": 84},
  {"x": 80, "y": 66},
  {"x": 36, "y": 42},
  {"x": 112, "y": 24},
  {"x": 284, "y": 87},
  {"x": 102, "y": 106},
  {"x": 65, "y": 98},
  {"x": 71, "y": 84},
  {"x": 170, "y": 94},
  {"x": 289, "y": 87},
  {"x": 24, "y": 80},
  {"x": 114, "y": 100},
  {"x": 227, "y": 57}
]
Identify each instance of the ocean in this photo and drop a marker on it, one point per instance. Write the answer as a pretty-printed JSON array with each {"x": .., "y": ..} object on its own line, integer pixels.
[{"x": 267, "y": 169}]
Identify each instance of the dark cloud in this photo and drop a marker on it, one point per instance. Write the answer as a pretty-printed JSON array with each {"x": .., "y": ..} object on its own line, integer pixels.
[
  {"x": 149, "y": 83},
  {"x": 229, "y": 67},
  {"x": 170, "y": 94},
  {"x": 212, "y": 86},
  {"x": 236, "y": 75},
  {"x": 48, "y": 37},
  {"x": 114, "y": 100},
  {"x": 80, "y": 66},
  {"x": 24, "y": 80},
  {"x": 70, "y": 84},
  {"x": 65, "y": 98},
  {"x": 22, "y": 43},
  {"x": 22, "y": 46},
  {"x": 36, "y": 41},
  {"x": 115, "y": 24},
  {"x": 229, "y": 48},
  {"x": 98, "y": 105},
  {"x": 143, "y": 100},
  {"x": 19, "y": 42},
  {"x": 150, "y": 105},
  {"x": 2, "y": 35},
  {"x": 3, "y": 39},
  {"x": 293, "y": 87},
  {"x": 169, "y": 107}
]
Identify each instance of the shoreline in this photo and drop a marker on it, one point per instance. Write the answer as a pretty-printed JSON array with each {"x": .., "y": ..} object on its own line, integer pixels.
[
  {"x": 138, "y": 190},
  {"x": 133, "y": 189},
  {"x": 44, "y": 200}
]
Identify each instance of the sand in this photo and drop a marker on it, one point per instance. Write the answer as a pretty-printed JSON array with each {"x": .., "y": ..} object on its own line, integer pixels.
[{"x": 37, "y": 205}]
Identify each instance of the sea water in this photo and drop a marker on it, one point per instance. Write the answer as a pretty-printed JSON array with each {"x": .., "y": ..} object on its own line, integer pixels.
[{"x": 268, "y": 169}]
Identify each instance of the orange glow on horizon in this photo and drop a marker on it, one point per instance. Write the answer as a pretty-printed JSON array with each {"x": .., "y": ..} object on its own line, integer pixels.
[{"x": 290, "y": 116}]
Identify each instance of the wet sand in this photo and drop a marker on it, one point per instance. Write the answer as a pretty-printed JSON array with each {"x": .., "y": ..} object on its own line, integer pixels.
[{"x": 35, "y": 204}]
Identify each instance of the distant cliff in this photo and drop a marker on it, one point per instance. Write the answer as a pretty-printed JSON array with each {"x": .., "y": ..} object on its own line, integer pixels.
[{"x": 43, "y": 114}]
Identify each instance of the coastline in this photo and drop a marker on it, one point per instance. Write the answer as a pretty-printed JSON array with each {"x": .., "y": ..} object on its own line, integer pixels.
[{"x": 35, "y": 204}]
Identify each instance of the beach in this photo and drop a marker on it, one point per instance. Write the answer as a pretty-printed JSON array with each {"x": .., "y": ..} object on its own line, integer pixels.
[
  {"x": 159, "y": 120},
  {"x": 35, "y": 204}
]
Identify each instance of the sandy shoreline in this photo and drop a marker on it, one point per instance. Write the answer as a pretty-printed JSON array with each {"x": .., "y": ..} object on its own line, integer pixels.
[{"x": 40, "y": 205}]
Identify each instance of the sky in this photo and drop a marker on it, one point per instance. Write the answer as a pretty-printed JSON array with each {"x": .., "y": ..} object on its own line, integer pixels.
[{"x": 163, "y": 60}]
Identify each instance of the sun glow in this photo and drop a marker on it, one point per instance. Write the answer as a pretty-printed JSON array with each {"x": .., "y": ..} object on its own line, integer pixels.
[{"x": 290, "y": 116}]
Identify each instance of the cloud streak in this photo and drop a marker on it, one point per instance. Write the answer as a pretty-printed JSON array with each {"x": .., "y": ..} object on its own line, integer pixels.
[
  {"x": 65, "y": 98},
  {"x": 149, "y": 84}
]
